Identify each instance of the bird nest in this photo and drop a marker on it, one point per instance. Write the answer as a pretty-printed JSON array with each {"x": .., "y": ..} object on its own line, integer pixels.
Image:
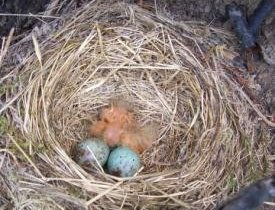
[{"x": 176, "y": 75}]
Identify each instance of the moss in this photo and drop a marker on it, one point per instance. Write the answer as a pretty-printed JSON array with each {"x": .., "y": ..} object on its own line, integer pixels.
[
  {"x": 5, "y": 87},
  {"x": 247, "y": 144},
  {"x": 3, "y": 125},
  {"x": 254, "y": 173},
  {"x": 232, "y": 182},
  {"x": 41, "y": 148},
  {"x": 25, "y": 146},
  {"x": 266, "y": 165},
  {"x": 14, "y": 149},
  {"x": 75, "y": 191}
]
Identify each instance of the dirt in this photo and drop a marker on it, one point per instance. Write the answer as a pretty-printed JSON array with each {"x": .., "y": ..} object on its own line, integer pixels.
[
  {"x": 211, "y": 11},
  {"x": 20, "y": 23}
]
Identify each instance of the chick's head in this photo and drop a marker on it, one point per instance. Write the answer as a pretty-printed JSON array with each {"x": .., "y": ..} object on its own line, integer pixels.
[
  {"x": 112, "y": 134},
  {"x": 118, "y": 115}
]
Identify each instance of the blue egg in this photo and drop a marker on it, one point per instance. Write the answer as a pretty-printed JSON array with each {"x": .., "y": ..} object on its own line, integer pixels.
[
  {"x": 84, "y": 157},
  {"x": 123, "y": 162}
]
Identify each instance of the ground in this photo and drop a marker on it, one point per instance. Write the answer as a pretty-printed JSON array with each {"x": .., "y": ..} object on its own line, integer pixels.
[
  {"x": 19, "y": 7},
  {"x": 210, "y": 11}
]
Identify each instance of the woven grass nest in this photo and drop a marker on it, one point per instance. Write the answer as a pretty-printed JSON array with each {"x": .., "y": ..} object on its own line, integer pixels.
[{"x": 177, "y": 75}]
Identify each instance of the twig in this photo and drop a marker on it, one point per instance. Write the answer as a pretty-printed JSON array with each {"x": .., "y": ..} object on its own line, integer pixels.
[
  {"x": 29, "y": 15},
  {"x": 247, "y": 30}
]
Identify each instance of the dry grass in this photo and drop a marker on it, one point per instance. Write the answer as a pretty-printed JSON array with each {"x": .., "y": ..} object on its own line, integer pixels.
[{"x": 210, "y": 140}]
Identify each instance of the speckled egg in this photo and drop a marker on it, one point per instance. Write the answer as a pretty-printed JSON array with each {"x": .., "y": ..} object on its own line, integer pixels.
[
  {"x": 123, "y": 162},
  {"x": 85, "y": 158}
]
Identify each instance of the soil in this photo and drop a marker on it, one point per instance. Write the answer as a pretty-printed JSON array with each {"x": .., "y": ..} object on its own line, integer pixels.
[
  {"x": 211, "y": 11},
  {"x": 20, "y": 23}
]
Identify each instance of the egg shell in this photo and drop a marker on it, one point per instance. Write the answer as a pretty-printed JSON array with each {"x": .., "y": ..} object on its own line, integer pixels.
[
  {"x": 123, "y": 162},
  {"x": 84, "y": 157}
]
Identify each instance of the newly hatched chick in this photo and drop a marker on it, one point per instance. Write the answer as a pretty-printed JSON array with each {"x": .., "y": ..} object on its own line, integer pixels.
[
  {"x": 118, "y": 126},
  {"x": 252, "y": 196},
  {"x": 139, "y": 139},
  {"x": 114, "y": 120}
]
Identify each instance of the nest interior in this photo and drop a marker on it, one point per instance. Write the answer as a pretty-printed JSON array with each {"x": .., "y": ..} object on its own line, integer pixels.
[{"x": 174, "y": 74}]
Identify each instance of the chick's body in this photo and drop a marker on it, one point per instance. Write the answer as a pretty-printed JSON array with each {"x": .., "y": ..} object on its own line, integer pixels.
[
  {"x": 138, "y": 139},
  {"x": 117, "y": 126}
]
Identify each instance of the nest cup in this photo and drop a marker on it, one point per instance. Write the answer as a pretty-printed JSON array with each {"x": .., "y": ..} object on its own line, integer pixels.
[{"x": 175, "y": 75}]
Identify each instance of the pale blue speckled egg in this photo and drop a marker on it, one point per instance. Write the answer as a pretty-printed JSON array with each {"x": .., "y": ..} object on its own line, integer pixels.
[
  {"x": 85, "y": 158},
  {"x": 123, "y": 162}
]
